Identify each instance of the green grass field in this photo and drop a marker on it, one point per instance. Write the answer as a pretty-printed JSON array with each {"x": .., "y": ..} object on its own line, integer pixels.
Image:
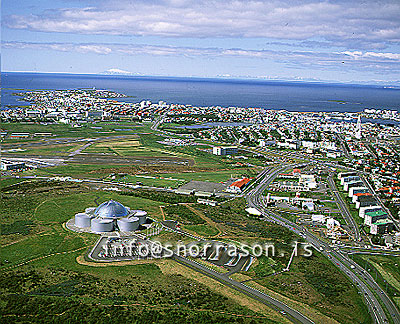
[
  {"x": 154, "y": 181},
  {"x": 62, "y": 149},
  {"x": 385, "y": 270},
  {"x": 41, "y": 278},
  {"x": 316, "y": 282},
  {"x": 202, "y": 230},
  {"x": 40, "y": 275},
  {"x": 61, "y": 130},
  {"x": 216, "y": 176},
  {"x": 74, "y": 170}
]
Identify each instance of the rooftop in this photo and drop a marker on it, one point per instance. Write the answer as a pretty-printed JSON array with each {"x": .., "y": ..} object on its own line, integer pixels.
[{"x": 111, "y": 209}]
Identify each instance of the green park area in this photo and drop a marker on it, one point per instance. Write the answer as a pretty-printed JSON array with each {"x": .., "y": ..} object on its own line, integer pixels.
[
  {"x": 215, "y": 176},
  {"x": 312, "y": 286},
  {"x": 43, "y": 270},
  {"x": 175, "y": 180},
  {"x": 40, "y": 256},
  {"x": 153, "y": 181}
]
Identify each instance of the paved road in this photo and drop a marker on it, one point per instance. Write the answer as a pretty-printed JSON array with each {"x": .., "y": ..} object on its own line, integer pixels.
[
  {"x": 351, "y": 223},
  {"x": 363, "y": 280},
  {"x": 293, "y": 315}
]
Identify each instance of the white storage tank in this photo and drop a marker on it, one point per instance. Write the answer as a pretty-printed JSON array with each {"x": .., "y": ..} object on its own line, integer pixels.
[
  {"x": 82, "y": 220},
  {"x": 99, "y": 225},
  {"x": 141, "y": 214},
  {"x": 128, "y": 224}
]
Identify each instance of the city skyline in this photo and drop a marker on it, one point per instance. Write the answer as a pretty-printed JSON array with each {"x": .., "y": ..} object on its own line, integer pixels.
[{"x": 296, "y": 40}]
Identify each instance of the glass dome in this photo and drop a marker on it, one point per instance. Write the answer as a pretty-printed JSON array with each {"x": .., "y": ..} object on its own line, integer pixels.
[{"x": 111, "y": 209}]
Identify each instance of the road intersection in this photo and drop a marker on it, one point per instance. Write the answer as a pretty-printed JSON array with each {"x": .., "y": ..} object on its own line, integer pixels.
[{"x": 373, "y": 295}]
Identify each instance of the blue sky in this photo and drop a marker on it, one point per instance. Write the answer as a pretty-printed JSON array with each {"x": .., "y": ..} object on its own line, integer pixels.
[{"x": 340, "y": 41}]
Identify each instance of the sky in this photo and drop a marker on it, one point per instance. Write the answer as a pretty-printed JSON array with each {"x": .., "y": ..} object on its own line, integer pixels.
[{"x": 335, "y": 41}]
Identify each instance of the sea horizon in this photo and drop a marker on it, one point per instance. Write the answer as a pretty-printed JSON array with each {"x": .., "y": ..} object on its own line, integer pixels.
[
  {"x": 372, "y": 83},
  {"x": 198, "y": 91}
]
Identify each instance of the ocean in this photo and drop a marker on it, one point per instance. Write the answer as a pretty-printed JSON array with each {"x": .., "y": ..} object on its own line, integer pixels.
[{"x": 292, "y": 96}]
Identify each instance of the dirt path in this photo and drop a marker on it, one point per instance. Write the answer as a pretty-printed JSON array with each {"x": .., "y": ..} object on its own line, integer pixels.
[
  {"x": 162, "y": 213},
  {"x": 46, "y": 256},
  {"x": 209, "y": 221}
]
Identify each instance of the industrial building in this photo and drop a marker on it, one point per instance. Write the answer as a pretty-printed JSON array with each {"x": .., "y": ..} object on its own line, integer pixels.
[
  {"x": 110, "y": 216},
  {"x": 8, "y": 166},
  {"x": 225, "y": 150},
  {"x": 239, "y": 185}
]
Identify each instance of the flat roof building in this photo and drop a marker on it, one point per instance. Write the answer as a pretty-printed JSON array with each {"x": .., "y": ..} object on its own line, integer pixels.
[
  {"x": 382, "y": 226},
  {"x": 373, "y": 216},
  {"x": 8, "y": 166},
  {"x": 225, "y": 150}
]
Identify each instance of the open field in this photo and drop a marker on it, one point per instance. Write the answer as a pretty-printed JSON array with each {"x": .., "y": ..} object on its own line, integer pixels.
[
  {"x": 46, "y": 253},
  {"x": 175, "y": 180},
  {"x": 126, "y": 147},
  {"x": 48, "y": 283},
  {"x": 316, "y": 282},
  {"x": 155, "y": 181},
  {"x": 74, "y": 170},
  {"x": 58, "y": 149},
  {"x": 90, "y": 130},
  {"x": 214, "y": 176}
]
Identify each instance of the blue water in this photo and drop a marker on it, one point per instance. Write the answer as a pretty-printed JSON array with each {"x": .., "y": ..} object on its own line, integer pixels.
[{"x": 293, "y": 96}]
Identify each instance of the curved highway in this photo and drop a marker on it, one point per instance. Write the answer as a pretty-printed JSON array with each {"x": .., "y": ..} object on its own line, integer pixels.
[{"x": 372, "y": 293}]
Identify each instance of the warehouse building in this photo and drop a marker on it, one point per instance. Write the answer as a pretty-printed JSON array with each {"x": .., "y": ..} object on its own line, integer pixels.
[
  {"x": 225, "y": 150},
  {"x": 8, "y": 166}
]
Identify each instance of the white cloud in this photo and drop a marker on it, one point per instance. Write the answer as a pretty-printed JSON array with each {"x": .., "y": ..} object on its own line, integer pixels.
[
  {"x": 377, "y": 56},
  {"x": 353, "y": 60},
  {"x": 94, "y": 49},
  {"x": 347, "y": 22}
]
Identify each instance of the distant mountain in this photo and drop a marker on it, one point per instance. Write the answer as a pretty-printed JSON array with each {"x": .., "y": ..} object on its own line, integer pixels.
[{"x": 118, "y": 72}]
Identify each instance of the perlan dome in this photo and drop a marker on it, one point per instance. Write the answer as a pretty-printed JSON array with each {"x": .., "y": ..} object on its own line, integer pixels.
[
  {"x": 111, "y": 209},
  {"x": 110, "y": 216}
]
